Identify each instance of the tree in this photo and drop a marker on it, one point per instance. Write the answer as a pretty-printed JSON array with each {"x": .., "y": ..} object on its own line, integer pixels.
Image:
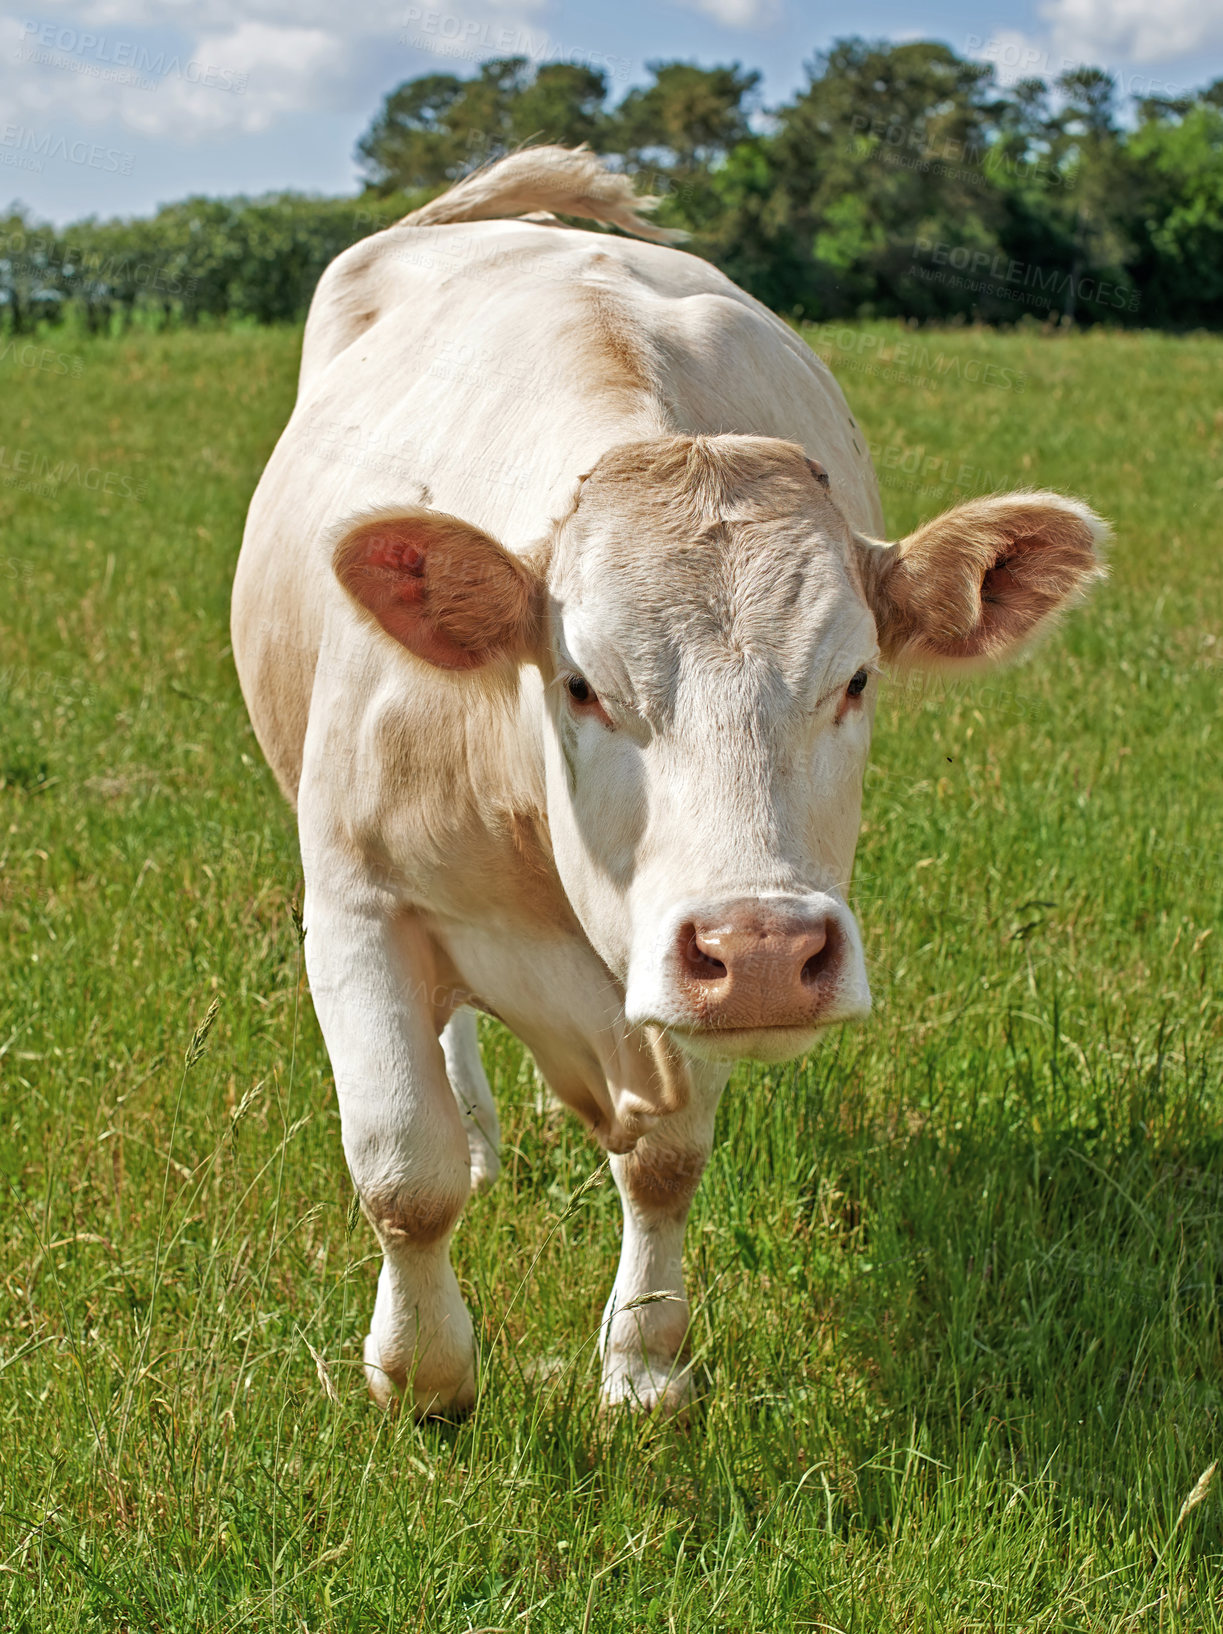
[
  {"x": 1179, "y": 162},
  {"x": 883, "y": 149},
  {"x": 410, "y": 143},
  {"x": 689, "y": 119},
  {"x": 1091, "y": 208},
  {"x": 432, "y": 130},
  {"x": 901, "y": 180},
  {"x": 563, "y": 103}
]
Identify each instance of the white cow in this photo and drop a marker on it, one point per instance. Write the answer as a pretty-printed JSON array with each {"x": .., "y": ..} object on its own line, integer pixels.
[{"x": 558, "y": 616}]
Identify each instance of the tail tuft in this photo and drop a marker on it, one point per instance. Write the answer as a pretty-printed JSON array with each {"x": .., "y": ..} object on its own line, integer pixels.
[{"x": 565, "y": 181}]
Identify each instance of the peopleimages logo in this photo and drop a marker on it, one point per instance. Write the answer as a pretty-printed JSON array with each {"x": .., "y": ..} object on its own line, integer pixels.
[
  {"x": 122, "y": 58},
  {"x": 985, "y": 273},
  {"x": 909, "y": 360},
  {"x": 34, "y": 473},
  {"x": 913, "y": 146},
  {"x": 34, "y": 147},
  {"x": 1016, "y": 60},
  {"x": 46, "y": 359},
  {"x": 35, "y": 256},
  {"x": 938, "y": 471}
]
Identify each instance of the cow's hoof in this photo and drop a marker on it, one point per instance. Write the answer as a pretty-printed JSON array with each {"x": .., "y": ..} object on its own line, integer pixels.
[
  {"x": 645, "y": 1384},
  {"x": 429, "y": 1400}
]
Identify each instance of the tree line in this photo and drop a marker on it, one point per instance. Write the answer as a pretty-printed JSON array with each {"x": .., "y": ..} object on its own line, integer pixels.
[{"x": 901, "y": 180}]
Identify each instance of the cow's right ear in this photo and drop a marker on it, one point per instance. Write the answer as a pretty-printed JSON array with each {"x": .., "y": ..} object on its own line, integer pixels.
[
  {"x": 444, "y": 589},
  {"x": 974, "y": 584}
]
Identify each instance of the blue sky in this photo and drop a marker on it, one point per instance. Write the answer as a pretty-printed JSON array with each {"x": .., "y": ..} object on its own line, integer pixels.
[{"x": 114, "y": 106}]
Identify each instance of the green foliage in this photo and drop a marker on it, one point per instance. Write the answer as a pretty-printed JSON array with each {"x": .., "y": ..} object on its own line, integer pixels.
[
  {"x": 900, "y": 181},
  {"x": 1181, "y": 163},
  {"x": 689, "y": 119},
  {"x": 432, "y": 130},
  {"x": 903, "y": 181},
  {"x": 255, "y": 259},
  {"x": 955, "y": 1277}
]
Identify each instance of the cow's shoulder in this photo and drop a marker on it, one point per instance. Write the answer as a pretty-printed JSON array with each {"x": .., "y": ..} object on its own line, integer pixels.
[{"x": 349, "y": 299}]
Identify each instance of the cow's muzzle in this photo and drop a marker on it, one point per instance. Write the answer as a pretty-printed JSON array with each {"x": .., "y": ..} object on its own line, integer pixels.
[{"x": 758, "y": 976}]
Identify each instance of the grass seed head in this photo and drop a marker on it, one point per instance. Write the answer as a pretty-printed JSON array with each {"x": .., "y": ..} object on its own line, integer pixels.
[
  {"x": 1200, "y": 1490},
  {"x": 200, "y": 1036}
]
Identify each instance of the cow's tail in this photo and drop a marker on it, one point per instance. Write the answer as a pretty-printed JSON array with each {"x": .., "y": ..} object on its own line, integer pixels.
[{"x": 564, "y": 181}]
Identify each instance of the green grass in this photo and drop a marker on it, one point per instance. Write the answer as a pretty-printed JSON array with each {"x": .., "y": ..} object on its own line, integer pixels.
[{"x": 956, "y": 1278}]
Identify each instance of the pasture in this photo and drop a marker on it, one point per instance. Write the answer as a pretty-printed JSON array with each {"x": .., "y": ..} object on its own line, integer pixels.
[{"x": 956, "y": 1277}]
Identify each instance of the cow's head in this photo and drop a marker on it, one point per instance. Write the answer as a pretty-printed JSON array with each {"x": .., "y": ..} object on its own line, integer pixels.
[{"x": 709, "y": 631}]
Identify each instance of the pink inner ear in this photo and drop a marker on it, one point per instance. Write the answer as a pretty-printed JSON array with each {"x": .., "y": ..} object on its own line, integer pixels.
[
  {"x": 978, "y": 581},
  {"x": 432, "y": 583},
  {"x": 392, "y": 585},
  {"x": 393, "y": 551},
  {"x": 999, "y": 584},
  {"x": 385, "y": 570},
  {"x": 1013, "y": 601},
  {"x": 388, "y": 575}
]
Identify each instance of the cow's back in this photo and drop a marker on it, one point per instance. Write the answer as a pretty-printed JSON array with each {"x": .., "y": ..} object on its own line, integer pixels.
[{"x": 480, "y": 369}]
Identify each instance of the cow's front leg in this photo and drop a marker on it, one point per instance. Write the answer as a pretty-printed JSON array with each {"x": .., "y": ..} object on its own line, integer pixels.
[
  {"x": 377, "y": 999},
  {"x": 646, "y": 1320}
]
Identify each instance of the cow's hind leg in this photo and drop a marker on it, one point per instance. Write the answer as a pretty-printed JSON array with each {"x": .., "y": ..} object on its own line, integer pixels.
[
  {"x": 465, "y": 1069},
  {"x": 372, "y": 982},
  {"x": 645, "y": 1324}
]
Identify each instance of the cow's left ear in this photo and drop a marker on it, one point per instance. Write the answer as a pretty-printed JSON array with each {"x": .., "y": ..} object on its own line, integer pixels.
[
  {"x": 975, "y": 583},
  {"x": 444, "y": 589}
]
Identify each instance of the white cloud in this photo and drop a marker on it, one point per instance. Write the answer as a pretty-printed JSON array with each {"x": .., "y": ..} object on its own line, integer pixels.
[
  {"x": 383, "y": 17},
  {"x": 242, "y": 81},
  {"x": 1015, "y": 55},
  {"x": 1118, "y": 46},
  {"x": 1137, "y": 31},
  {"x": 213, "y": 16},
  {"x": 738, "y": 13},
  {"x": 214, "y": 68}
]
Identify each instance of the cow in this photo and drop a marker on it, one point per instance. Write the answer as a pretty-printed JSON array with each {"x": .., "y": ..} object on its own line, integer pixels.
[{"x": 560, "y": 615}]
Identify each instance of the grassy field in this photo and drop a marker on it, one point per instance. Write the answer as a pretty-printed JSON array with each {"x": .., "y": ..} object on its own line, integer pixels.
[{"x": 957, "y": 1277}]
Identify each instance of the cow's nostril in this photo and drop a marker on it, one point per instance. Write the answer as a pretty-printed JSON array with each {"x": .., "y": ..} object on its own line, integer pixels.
[
  {"x": 700, "y": 965},
  {"x": 819, "y": 962}
]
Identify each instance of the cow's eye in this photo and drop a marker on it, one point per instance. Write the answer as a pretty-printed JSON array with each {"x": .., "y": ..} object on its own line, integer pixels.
[
  {"x": 857, "y": 686},
  {"x": 580, "y": 690}
]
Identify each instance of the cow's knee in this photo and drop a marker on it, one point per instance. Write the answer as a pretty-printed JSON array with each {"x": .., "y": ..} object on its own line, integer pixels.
[
  {"x": 660, "y": 1182},
  {"x": 413, "y": 1179},
  {"x": 415, "y": 1216}
]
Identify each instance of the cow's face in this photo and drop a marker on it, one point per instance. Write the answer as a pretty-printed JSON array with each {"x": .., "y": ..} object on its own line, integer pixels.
[
  {"x": 709, "y": 636},
  {"x": 711, "y": 683}
]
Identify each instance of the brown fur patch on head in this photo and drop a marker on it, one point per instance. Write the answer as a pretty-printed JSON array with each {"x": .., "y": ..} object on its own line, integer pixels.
[
  {"x": 979, "y": 580},
  {"x": 718, "y": 555},
  {"x": 690, "y": 482},
  {"x": 444, "y": 589}
]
